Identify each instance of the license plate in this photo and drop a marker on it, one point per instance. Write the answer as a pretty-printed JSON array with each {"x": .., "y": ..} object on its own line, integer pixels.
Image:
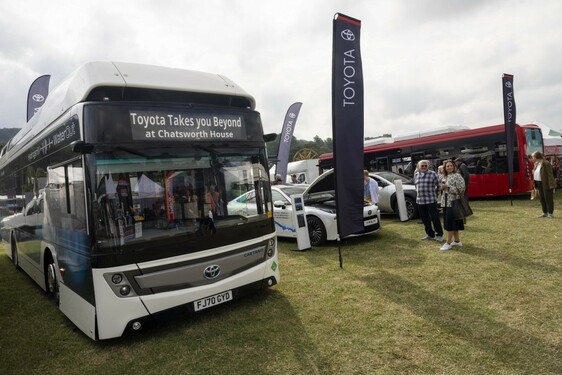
[
  {"x": 370, "y": 222},
  {"x": 210, "y": 301}
]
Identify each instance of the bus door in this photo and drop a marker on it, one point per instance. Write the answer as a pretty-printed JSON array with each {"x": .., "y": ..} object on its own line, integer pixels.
[
  {"x": 33, "y": 229},
  {"x": 382, "y": 164},
  {"x": 65, "y": 209},
  {"x": 416, "y": 157}
]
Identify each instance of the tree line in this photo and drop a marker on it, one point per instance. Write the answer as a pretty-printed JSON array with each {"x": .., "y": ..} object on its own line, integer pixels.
[{"x": 319, "y": 145}]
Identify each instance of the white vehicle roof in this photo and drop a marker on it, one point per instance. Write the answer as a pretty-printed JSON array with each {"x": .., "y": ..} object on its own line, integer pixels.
[{"x": 80, "y": 83}]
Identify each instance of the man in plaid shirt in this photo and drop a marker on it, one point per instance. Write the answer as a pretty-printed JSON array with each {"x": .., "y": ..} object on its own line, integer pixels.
[{"x": 427, "y": 182}]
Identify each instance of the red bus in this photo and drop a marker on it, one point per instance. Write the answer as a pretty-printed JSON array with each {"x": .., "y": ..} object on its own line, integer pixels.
[{"x": 483, "y": 150}]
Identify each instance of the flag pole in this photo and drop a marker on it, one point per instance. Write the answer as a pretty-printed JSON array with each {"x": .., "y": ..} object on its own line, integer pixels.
[
  {"x": 339, "y": 252},
  {"x": 509, "y": 117}
]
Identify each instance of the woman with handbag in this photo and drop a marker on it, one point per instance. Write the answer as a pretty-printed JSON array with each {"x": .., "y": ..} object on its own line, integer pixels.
[{"x": 452, "y": 188}]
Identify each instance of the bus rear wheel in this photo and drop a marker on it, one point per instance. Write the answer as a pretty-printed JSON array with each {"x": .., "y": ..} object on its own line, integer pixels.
[
  {"x": 15, "y": 258},
  {"x": 52, "y": 282}
]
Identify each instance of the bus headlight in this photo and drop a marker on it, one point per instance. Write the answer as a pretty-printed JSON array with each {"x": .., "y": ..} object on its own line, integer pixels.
[
  {"x": 117, "y": 278},
  {"x": 271, "y": 248},
  {"x": 119, "y": 284}
]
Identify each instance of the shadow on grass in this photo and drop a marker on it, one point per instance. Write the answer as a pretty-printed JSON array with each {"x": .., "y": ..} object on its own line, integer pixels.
[
  {"x": 248, "y": 335},
  {"x": 381, "y": 250},
  {"x": 256, "y": 332},
  {"x": 508, "y": 258},
  {"x": 515, "y": 349}
]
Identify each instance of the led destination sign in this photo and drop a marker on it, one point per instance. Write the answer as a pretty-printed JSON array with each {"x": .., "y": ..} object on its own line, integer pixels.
[{"x": 181, "y": 126}]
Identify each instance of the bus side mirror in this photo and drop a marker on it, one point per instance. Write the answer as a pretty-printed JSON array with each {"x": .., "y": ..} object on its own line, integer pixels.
[
  {"x": 81, "y": 147},
  {"x": 269, "y": 137}
]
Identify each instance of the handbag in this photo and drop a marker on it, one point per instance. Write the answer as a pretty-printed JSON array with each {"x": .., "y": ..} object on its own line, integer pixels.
[
  {"x": 461, "y": 209},
  {"x": 534, "y": 194}
]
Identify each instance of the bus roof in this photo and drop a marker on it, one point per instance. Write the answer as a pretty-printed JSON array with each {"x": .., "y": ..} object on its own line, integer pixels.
[{"x": 79, "y": 84}]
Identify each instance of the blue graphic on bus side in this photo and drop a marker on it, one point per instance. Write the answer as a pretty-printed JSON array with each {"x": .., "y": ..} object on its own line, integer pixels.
[{"x": 284, "y": 227}]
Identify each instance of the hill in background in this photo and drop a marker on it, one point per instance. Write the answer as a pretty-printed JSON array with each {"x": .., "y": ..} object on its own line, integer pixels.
[{"x": 7, "y": 133}]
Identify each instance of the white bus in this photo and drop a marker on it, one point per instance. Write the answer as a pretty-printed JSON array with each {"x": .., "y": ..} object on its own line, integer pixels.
[{"x": 124, "y": 174}]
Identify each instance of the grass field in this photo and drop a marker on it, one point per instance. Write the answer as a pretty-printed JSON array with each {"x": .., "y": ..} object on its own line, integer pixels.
[{"x": 398, "y": 306}]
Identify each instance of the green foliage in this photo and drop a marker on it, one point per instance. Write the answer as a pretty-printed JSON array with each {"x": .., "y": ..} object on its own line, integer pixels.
[
  {"x": 6, "y": 134},
  {"x": 398, "y": 306}
]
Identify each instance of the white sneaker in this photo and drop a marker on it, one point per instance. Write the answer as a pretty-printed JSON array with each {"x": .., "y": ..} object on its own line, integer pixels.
[
  {"x": 428, "y": 238},
  {"x": 439, "y": 238},
  {"x": 445, "y": 247},
  {"x": 456, "y": 243},
  {"x": 551, "y": 216}
]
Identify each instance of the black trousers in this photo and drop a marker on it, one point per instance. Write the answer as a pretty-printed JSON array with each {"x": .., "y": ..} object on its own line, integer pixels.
[
  {"x": 546, "y": 197},
  {"x": 429, "y": 215}
]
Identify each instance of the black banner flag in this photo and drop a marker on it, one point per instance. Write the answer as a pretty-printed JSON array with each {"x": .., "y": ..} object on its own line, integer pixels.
[
  {"x": 509, "y": 117},
  {"x": 286, "y": 138},
  {"x": 37, "y": 94},
  {"x": 347, "y": 124}
]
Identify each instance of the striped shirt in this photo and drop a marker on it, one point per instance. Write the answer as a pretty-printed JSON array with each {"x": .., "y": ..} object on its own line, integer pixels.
[{"x": 426, "y": 186}]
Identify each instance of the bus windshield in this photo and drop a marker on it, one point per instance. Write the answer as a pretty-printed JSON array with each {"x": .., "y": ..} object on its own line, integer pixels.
[
  {"x": 534, "y": 141},
  {"x": 144, "y": 194}
]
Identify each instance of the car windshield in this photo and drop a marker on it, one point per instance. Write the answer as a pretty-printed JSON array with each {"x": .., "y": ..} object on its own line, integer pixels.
[
  {"x": 292, "y": 190},
  {"x": 391, "y": 177}
]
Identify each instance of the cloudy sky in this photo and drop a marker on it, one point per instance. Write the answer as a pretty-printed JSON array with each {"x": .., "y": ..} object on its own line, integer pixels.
[{"x": 426, "y": 63}]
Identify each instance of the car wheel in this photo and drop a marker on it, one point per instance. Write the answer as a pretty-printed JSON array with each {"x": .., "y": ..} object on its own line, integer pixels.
[
  {"x": 411, "y": 208},
  {"x": 316, "y": 231}
]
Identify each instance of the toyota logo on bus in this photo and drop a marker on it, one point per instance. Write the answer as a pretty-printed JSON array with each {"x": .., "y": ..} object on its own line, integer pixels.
[{"x": 212, "y": 271}]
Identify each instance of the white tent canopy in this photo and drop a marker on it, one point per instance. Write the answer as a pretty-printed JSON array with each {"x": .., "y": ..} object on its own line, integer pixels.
[
  {"x": 552, "y": 140},
  {"x": 146, "y": 188}
]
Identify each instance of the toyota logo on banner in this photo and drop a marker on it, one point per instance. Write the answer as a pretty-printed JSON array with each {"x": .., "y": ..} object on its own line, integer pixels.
[
  {"x": 38, "y": 98},
  {"x": 508, "y": 84},
  {"x": 348, "y": 35}
]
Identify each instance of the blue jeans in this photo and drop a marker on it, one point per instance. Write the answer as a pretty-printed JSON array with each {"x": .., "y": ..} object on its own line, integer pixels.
[{"x": 429, "y": 215}]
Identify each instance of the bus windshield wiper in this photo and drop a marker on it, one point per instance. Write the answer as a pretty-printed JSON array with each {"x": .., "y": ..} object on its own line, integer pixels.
[{"x": 131, "y": 151}]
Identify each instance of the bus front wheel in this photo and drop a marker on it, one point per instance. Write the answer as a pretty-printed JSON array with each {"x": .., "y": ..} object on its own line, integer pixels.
[{"x": 52, "y": 282}]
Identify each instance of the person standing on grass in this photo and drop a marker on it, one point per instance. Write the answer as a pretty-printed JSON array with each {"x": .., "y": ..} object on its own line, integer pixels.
[
  {"x": 371, "y": 188},
  {"x": 544, "y": 183},
  {"x": 452, "y": 188},
  {"x": 440, "y": 175},
  {"x": 427, "y": 183}
]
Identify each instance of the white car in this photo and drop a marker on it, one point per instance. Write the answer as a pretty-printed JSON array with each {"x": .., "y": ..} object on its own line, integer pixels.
[
  {"x": 387, "y": 193},
  {"x": 319, "y": 207}
]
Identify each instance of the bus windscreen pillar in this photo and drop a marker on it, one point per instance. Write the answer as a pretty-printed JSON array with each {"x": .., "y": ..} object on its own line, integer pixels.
[{"x": 299, "y": 217}]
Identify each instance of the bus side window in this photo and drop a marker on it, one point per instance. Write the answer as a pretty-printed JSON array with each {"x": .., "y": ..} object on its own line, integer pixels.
[{"x": 76, "y": 195}]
